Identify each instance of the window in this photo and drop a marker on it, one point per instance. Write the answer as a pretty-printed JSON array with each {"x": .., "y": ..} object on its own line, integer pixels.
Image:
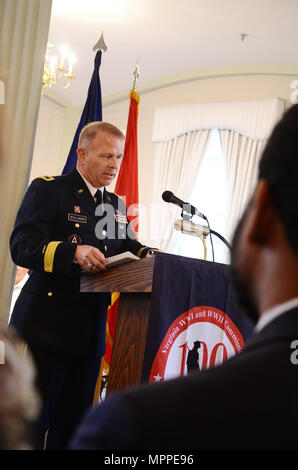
[{"x": 209, "y": 196}]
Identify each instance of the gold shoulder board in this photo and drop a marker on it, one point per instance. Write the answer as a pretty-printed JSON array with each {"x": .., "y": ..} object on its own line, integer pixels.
[
  {"x": 46, "y": 178},
  {"x": 120, "y": 197}
]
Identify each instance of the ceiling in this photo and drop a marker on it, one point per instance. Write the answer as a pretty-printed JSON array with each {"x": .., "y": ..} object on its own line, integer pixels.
[{"x": 171, "y": 38}]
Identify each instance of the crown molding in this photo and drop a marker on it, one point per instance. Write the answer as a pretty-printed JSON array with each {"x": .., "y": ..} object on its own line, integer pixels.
[{"x": 203, "y": 75}]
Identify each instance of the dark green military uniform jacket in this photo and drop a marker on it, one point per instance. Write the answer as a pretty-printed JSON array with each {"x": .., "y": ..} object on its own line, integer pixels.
[{"x": 56, "y": 214}]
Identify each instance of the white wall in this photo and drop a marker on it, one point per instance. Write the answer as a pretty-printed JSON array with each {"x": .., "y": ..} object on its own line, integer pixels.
[
  {"x": 48, "y": 139},
  {"x": 56, "y": 126}
]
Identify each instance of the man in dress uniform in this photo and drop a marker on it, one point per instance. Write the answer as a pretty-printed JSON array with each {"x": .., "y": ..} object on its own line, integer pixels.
[{"x": 67, "y": 224}]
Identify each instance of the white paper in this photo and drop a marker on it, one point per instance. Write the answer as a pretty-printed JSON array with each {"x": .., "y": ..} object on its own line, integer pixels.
[{"x": 120, "y": 259}]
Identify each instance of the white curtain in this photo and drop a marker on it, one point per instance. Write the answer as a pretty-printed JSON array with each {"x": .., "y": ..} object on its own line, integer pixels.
[
  {"x": 253, "y": 118},
  {"x": 242, "y": 155},
  {"x": 24, "y": 27},
  {"x": 177, "y": 164},
  {"x": 180, "y": 144}
]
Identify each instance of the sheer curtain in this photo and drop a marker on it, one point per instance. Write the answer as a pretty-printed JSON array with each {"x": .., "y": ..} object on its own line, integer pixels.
[
  {"x": 24, "y": 27},
  {"x": 177, "y": 163},
  {"x": 181, "y": 133},
  {"x": 242, "y": 156}
]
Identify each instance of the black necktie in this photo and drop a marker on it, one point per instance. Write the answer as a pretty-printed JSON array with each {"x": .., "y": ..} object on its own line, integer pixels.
[{"x": 98, "y": 197}]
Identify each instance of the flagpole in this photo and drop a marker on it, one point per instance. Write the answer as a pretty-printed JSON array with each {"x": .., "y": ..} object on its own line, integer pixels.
[
  {"x": 127, "y": 185},
  {"x": 136, "y": 75},
  {"x": 101, "y": 45},
  {"x": 93, "y": 106}
]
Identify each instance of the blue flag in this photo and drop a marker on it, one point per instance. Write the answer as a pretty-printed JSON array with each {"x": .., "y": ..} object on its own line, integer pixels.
[
  {"x": 92, "y": 112},
  {"x": 195, "y": 322}
]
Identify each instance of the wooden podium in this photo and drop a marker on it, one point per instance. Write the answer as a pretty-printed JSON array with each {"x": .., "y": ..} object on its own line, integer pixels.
[{"x": 134, "y": 282}]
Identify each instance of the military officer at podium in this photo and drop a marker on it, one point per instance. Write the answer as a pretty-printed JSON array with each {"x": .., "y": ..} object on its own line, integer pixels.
[{"x": 67, "y": 224}]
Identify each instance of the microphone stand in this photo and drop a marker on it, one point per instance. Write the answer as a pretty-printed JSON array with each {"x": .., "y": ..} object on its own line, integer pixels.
[
  {"x": 221, "y": 238},
  {"x": 188, "y": 217}
]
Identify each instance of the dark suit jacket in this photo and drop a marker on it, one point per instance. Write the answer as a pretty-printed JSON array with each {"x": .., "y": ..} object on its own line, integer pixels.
[
  {"x": 55, "y": 215},
  {"x": 249, "y": 402}
]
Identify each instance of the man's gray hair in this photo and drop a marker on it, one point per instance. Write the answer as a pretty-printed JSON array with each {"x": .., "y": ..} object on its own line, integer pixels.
[{"x": 89, "y": 132}]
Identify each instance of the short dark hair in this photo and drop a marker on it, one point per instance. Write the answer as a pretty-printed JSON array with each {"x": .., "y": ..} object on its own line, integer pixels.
[
  {"x": 279, "y": 167},
  {"x": 89, "y": 131}
]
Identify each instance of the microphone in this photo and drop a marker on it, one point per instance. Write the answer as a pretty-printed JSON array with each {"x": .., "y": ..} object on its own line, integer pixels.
[
  {"x": 191, "y": 228},
  {"x": 168, "y": 196}
]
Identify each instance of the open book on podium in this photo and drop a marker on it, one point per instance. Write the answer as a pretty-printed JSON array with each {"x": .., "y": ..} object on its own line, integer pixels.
[
  {"x": 123, "y": 258},
  {"x": 134, "y": 282}
]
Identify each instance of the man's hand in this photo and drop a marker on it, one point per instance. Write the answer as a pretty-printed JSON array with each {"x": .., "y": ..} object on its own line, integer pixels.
[
  {"x": 151, "y": 253},
  {"x": 90, "y": 258}
]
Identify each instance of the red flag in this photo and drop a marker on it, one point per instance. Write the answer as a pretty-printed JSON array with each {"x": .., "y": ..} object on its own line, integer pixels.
[
  {"x": 110, "y": 328},
  {"x": 127, "y": 182},
  {"x": 127, "y": 187}
]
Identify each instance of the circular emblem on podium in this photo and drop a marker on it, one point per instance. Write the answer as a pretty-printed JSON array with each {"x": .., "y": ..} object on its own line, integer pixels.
[{"x": 200, "y": 338}]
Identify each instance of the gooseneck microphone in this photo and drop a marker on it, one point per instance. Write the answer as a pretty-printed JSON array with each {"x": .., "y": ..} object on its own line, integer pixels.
[
  {"x": 168, "y": 196},
  {"x": 187, "y": 226},
  {"x": 190, "y": 228}
]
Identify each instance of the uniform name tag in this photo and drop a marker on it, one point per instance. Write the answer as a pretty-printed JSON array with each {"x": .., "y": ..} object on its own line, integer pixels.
[{"x": 77, "y": 218}]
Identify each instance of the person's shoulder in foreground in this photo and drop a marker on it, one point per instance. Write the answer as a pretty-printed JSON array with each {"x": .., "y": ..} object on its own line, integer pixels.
[{"x": 20, "y": 401}]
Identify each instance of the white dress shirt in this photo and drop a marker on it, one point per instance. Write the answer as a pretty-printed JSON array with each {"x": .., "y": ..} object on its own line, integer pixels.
[
  {"x": 16, "y": 292},
  {"x": 275, "y": 312},
  {"x": 91, "y": 188}
]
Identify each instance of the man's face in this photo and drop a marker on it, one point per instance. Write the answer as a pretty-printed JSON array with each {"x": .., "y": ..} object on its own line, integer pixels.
[
  {"x": 100, "y": 159},
  {"x": 242, "y": 272}
]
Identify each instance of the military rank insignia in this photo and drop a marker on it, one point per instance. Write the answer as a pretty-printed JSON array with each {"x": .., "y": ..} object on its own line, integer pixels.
[{"x": 74, "y": 239}]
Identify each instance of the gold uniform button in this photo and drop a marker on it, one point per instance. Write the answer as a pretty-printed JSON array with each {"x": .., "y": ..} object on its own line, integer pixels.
[
  {"x": 50, "y": 294},
  {"x": 77, "y": 225},
  {"x": 106, "y": 248}
]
